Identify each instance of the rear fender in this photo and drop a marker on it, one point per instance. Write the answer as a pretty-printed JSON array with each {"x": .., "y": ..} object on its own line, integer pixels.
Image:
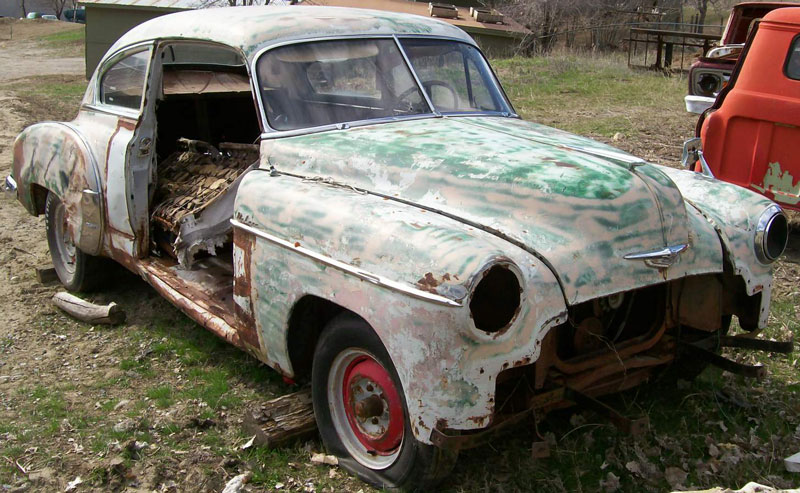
[{"x": 55, "y": 156}]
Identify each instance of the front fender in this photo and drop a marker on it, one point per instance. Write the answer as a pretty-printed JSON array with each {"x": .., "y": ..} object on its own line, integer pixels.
[
  {"x": 381, "y": 259},
  {"x": 55, "y": 157},
  {"x": 733, "y": 211}
]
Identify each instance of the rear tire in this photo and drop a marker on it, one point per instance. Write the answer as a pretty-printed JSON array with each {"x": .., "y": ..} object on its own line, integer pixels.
[
  {"x": 76, "y": 270},
  {"x": 361, "y": 411}
]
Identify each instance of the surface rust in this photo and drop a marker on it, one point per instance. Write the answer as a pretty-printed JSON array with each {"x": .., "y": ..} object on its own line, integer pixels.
[{"x": 421, "y": 206}]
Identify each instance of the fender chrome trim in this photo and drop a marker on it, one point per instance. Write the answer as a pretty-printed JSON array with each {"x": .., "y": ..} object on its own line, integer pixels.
[
  {"x": 661, "y": 258},
  {"x": 10, "y": 186},
  {"x": 347, "y": 268}
]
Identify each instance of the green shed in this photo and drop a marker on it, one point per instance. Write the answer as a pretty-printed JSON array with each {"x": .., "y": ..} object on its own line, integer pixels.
[{"x": 107, "y": 20}]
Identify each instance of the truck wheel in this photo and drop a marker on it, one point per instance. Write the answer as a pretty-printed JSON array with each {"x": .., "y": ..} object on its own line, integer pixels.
[
  {"x": 76, "y": 270},
  {"x": 361, "y": 411}
]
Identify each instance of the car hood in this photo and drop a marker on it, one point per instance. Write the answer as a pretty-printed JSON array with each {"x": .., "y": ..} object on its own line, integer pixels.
[{"x": 579, "y": 205}]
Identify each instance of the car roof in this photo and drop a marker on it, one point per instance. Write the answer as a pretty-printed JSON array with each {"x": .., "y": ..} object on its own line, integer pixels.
[
  {"x": 790, "y": 15},
  {"x": 775, "y": 5},
  {"x": 253, "y": 28}
]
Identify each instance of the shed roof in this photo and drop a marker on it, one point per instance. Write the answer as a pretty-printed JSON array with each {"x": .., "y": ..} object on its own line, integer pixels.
[
  {"x": 152, "y": 4},
  {"x": 509, "y": 28},
  {"x": 253, "y": 28}
]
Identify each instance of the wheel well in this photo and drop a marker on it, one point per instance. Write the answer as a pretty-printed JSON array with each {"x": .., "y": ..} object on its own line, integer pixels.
[
  {"x": 309, "y": 316},
  {"x": 736, "y": 301},
  {"x": 38, "y": 198}
]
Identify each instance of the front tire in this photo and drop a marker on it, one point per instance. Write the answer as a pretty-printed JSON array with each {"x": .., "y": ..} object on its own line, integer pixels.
[
  {"x": 76, "y": 270},
  {"x": 361, "y": 411}
]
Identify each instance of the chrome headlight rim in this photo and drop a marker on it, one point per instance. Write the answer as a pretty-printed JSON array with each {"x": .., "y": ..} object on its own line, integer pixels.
[
  {"x": 721, "y": 76},
  {"x": 772, "y": 222}
]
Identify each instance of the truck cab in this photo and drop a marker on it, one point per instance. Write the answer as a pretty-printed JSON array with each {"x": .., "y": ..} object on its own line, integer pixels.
[{"x": 750, "y": 134}]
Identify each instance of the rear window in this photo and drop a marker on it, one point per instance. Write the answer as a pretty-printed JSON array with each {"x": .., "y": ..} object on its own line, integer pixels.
[{"x": 793, "y": 61}]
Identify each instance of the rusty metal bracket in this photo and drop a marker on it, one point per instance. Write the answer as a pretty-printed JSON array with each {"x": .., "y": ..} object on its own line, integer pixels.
[
  {"x": 768, "y": 345},
  {"x": 625, "y": 425},
  {"x": 445, "y": 441},
  {"x": 750, "y": 371}
]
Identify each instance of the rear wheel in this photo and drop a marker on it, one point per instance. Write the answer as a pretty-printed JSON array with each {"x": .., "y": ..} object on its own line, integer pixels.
[
  {"x": 361, "y": 411},
  {"x": 76, "y": 270}
]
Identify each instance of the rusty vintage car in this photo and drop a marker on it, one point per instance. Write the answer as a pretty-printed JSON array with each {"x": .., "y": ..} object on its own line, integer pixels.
[
  {"x": 711, "y": 72},
  {"x": 349, "y": 196}
]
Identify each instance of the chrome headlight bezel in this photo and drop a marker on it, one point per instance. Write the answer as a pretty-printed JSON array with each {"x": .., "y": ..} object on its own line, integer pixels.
[
  {"x": 772, "y": 234},
  {"x": 720, "y": 76}
]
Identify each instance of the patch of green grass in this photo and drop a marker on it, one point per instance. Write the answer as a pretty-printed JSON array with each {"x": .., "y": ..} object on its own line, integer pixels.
[
  {"x": 39, "y": 392},
  {"x": 62, "y": 90},
  {"x": 68, "y": 43},
  {"x": 161, "y": 395},
  {"x": 595, "y": 95},
  {"x": 72, "y": 36},
  {"x": 210, "y": 386},
  {"x": 5, "y": 343},
  {"x": 50, "y": 97},
  {"x": 141, "y": 366}
]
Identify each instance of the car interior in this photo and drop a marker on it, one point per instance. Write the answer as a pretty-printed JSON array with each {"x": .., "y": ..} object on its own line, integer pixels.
[{"x": 206, "y": 139}]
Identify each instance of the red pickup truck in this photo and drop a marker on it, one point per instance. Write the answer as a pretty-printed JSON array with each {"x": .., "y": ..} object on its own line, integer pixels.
[
  {"x": 751, "y": 134},
  {"x": 709, "y": 74}
]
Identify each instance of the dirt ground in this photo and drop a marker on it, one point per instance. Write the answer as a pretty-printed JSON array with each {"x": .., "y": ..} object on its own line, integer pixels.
[
  {"x": 41, "y": 349},
  {"x": 97, "y": 426},
  {"x": 22, "y": 239}
]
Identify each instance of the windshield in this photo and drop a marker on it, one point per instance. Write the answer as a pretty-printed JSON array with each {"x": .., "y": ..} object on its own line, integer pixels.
[{"x": 330, "y": 82}]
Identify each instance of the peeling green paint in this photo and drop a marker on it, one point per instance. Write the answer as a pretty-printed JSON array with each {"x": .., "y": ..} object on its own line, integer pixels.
[{"x": 781, "y": 183}]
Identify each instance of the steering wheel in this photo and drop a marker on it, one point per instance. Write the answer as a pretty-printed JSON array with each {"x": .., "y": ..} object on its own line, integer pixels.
[{"x": 428, "y": 85}]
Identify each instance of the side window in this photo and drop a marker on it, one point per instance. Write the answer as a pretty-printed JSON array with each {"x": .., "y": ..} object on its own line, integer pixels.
[
  {"x": 123, "y": 83},
  {"x": 793, "y": 61},
  {"x": 442, "y": 75},
  {"x": 455, "y": 75}
]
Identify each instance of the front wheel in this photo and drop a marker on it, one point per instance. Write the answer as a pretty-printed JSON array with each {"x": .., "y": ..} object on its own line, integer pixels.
[
  {"x": 76, "y": 270},
  {"x": 361, "y": 411}
]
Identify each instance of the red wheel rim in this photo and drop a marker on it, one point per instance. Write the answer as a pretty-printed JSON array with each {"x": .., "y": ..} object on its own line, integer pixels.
[{"x": 373, "y": 406}]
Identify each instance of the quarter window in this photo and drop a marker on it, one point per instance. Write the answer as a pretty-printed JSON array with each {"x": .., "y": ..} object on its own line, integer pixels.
[
  {"x": 793, "y": 61},
  {"x": 123, "y": 84}
]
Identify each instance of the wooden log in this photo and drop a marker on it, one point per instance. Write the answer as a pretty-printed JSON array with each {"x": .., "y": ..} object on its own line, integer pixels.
[
  {"x": 46, "y": 274},
  {"x": 281, "y": 420},
  {"x": 89, "y": 312}
]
